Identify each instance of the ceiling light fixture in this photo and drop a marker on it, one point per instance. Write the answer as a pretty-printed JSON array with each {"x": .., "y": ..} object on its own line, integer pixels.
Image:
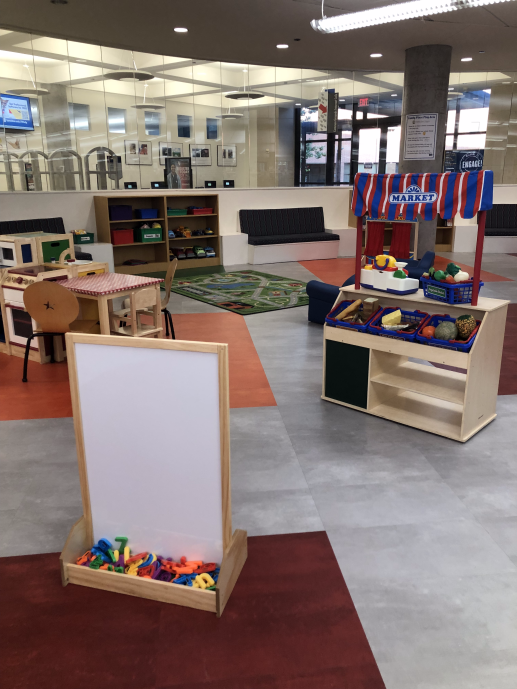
[
  {"x": 231, "y": 115},
  {"x": 147, "y": 106},
  {"x": 298, "y": 104},
  {"x": 466, "y": 59},
  {"x": 180, "y": 29},
  {"x": 376, "y": 55},
  {"x": 282, "y": 46},
  {"x": 129, "y": 75},
  {"x": 393, "y": 95},
  {"x": 34, "y": 91},
  {"x": 415, "y": 9}
]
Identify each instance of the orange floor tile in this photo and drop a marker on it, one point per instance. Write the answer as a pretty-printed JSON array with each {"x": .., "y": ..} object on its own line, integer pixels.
[
  {"x": 440, "y": 263},
  {"x": 334, "y": 271},
  {"x": 46, "y": 395}
]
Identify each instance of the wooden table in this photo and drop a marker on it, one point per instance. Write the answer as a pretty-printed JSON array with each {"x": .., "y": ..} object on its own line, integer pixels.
[{"x": 103, "y": 288}]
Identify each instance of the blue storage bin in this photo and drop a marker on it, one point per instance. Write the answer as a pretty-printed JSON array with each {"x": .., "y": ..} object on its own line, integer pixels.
[
  {"x": 331, "y": 320},
  {"x": 418, "y": 317},
  {"x": 460, "y": 293},
  {"x": 120, "y": 212},
  {"x": 146, "y": 213},
  {"x": 459, "y": 345}
]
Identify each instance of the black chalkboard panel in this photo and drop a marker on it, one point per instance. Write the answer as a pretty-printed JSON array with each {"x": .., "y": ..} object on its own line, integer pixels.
[{"x": 346, "y": 373}]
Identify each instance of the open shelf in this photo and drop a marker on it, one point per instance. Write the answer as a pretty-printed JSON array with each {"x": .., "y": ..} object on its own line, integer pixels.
[
  {"x": 144, "y": 220},
  {"x": 187, "y": 239},
  {"x": 189, "y": 215},
  {"x": 154, "y": 267},
  {"x": 425, "y": 380},
  {"x": 426, "y": 413},
  {"x": 138, "y": 244},
  {"x": 193, "y": 262}
]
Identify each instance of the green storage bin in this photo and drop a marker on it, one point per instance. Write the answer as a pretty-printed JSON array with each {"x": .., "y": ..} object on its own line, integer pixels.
[
  {"x": 176, "y": 211},
  {"x": 87, "y": 238},
  {"x": 148, "y": 235},
  {"x": 53, "y": 249}
]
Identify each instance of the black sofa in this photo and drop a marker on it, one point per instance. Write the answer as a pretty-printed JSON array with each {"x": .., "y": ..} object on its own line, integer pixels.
[
  {"x": 501, "y": 220},
  {"x": 49, "y": 225},
  {"x": 285, "y": 226}
]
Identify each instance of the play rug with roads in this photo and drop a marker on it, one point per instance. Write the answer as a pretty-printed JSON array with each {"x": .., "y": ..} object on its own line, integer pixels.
[{"x": 244, "y": 291}]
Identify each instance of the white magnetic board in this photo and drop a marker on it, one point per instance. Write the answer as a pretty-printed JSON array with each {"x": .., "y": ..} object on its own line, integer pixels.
[{"x": 152, "y": 446}]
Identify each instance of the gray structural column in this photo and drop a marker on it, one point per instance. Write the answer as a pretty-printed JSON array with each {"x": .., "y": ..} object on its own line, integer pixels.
[
  {"x": 59, "y": 135},
  {"x": 426, "y": 82}
]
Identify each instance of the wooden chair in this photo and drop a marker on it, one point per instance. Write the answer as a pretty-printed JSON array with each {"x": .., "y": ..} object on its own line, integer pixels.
[
  {"x": 145, "y": 299},
  {"x": 55, "y": 310}
]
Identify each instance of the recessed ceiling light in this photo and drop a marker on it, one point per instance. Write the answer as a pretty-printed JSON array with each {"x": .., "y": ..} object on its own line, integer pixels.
[
  {"x": 180, "y": 29},
  {"x": 393, "y": 95},
  {"x": 297, "y": 103},
  {"x": 244, "y": 70},
  {"x": 376, "y": 55},
  {"x": 341, "y": 100},
  {"x": 282, "y": 46},
  {"x": 466, "y": 59},
  {"x": 451, "y": 88}
]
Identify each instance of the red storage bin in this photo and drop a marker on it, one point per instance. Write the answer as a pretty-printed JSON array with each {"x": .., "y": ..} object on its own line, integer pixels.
[
  {"x": 200, "y": 211},
  {"x": 122, "y": 236}
]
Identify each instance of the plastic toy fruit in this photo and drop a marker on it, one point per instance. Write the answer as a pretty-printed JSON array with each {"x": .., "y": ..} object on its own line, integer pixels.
[
  {"x": 428, "y": 331},
  {"x": 462, "y": 276},
  {"x": 466, "y": 326},
  {"x": 452, "y": 269},
  {"x": 446, "y": 330},
  {"x": 439, "y": 275}
]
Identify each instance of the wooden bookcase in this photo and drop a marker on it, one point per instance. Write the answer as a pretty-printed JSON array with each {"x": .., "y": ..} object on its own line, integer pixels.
[
  {"x": 375, "y": 375},
  {"x": 157, "y": 254}
]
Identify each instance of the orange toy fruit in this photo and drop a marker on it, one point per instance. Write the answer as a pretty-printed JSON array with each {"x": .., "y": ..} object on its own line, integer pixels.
[{"x": 428, "y": 331}]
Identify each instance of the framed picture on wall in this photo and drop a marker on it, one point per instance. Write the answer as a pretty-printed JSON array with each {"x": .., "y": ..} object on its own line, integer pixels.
[
  {"x": 178, "y": 174},
  {"x": 201, "y": 154},
  {"x": 227, "y": 156},
  {"x": 169, "y": 149},
  {"x": 138, "y": 152}
]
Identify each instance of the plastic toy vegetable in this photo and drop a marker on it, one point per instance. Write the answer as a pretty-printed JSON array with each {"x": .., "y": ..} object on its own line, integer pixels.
[
  {"x": 452, "y": 269},
  {"x": 462, "y": 276},
  {"x": 439, "y": 275},
  {"x": 446, "y": 330}
]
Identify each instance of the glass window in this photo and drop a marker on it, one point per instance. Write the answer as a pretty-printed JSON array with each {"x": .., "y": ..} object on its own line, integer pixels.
[
  {"x": 152, "y": 122},
  {"x": 116, "y": 120},
  {"x": 35, "y": 112},
  {"x": 471, "y": 141},
  {"x": 369, "y": 144},
  {"x": 473, "y": 120},
  {"x": 79, "y": 115},
  {"x": 211, "y": 127},
  {"x": 451, "y": 119},
  {"x": 449, "y": 142},
  {"x": 184, "y": 126}
]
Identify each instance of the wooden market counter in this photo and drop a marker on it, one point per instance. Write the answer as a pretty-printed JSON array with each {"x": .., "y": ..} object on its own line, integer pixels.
[{"x": 375, "y": 374}]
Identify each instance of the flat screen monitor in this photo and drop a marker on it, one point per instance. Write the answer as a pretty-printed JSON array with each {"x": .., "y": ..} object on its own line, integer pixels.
[
  {"x": 130, "y": 185},
  {"x": 16, "y": 112},
  {"x": 158, "y": 185},
  {"x": 228, "y": 183},
  {"x": 210, "y": 185}
]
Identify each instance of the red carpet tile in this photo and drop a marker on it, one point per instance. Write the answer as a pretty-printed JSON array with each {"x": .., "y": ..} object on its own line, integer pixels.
[
  {"x": 334, "y": 271},
  {"x": 47, "y": 394},
  {"x": 288, "y": 626},
  {"x": 440, "y": 263}
]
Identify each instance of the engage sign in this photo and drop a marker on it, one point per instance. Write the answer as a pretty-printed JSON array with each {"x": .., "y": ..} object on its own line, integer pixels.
[
  {"x": 463, "y": 161},
  {"x": 413, "y": 194}
]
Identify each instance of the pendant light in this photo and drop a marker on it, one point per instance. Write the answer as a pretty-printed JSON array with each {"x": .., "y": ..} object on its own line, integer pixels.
[
  {"x": 147, "y": 106},
  {"x": 34, "y": 91}
]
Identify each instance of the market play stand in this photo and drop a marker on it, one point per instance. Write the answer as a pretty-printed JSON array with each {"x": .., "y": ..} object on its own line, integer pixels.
[{"x": 379, "y": 374}]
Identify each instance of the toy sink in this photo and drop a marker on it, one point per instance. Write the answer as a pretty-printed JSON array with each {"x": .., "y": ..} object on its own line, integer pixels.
[{"x": 384, "y": 281}]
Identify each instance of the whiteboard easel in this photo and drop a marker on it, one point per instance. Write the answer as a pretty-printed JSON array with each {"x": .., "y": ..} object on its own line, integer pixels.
[{"x": 151, "y": 419}]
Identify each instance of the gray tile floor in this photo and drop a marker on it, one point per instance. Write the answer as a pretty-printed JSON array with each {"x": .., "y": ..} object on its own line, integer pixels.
[{"x": 424, "y": 528}]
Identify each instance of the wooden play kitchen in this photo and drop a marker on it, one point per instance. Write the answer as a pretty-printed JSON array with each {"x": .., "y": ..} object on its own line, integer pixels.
[
  {"x": 367, "y": 365},
  {"x": 119, "y": 219},
  {"x": 187, "y": 512}
]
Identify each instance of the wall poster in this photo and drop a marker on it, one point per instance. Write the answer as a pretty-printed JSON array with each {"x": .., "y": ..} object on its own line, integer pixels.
[{"x": 420, "y": 136}]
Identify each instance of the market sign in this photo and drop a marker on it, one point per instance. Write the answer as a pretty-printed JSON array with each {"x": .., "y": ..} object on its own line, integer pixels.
[{"x": 396, "y": 196}]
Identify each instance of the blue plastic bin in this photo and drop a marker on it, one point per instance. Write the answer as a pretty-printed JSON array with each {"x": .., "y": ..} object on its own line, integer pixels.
[
  {"x": 331, "y": 320},
  {"x": 146, "y": 213},
  {"x": 459, "y": 345},
  {"x": 447, "y": 293},
  {"x": 120, "y": 212},
  {"x": 418, "y": 317}
]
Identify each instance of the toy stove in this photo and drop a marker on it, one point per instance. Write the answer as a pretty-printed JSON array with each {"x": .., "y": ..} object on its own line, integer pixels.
[
  {"x": 388, "y": 275},
  {"x": 19, "y": 324}
]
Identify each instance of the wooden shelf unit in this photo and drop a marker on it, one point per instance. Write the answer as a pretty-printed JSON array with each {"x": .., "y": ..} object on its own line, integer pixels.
[
  {"x": 374, "y": 374},
  {"x": 157, "y": 253}
]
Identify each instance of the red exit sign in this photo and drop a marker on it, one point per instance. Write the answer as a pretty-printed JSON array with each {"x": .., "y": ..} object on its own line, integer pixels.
[{"x": 363, "y": 102}]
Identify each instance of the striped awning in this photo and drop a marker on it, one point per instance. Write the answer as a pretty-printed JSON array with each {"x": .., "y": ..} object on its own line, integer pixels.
[{"x": 403, "y": 197}]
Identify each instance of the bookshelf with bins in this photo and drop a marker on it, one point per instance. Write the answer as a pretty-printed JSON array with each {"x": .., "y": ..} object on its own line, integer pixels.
[{"x": 157, "y": 254}]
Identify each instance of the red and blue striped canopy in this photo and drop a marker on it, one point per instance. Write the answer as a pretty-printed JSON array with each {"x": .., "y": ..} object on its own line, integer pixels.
[{"x": 403, "y": 197}]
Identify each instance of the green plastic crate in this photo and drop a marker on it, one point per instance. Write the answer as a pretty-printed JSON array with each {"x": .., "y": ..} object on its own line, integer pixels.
[
  {"x": 153, "y": 234},
  {"x": 176, "y": 211},
  {"x": 87, "y": 238},
  {"x": 53, "y": 249}
]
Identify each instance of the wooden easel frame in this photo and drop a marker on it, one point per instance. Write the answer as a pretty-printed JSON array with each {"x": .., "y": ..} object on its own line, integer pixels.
[{"x": 80, "y": 538}]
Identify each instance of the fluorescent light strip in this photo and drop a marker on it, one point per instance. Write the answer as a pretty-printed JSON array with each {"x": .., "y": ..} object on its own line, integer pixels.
[{"x": 395, "y": 13}]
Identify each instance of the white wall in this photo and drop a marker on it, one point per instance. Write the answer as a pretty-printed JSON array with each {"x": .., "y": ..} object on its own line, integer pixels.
[{"x": 77, "y": 211}]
